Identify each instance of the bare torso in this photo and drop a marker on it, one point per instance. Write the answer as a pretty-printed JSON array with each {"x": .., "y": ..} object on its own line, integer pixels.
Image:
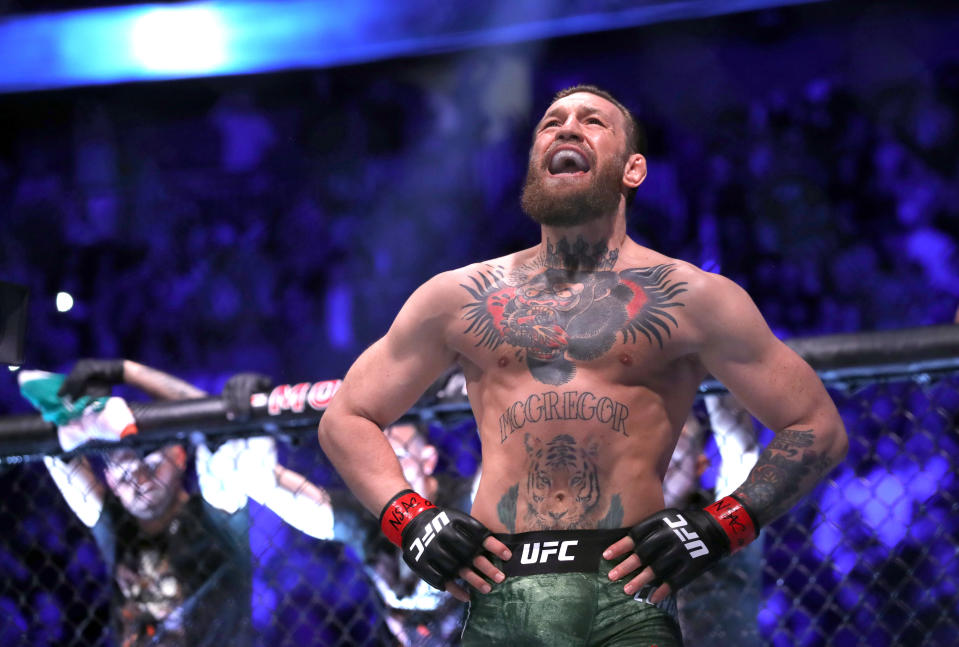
[
  {"x": 580, "y": 383},
  {"x": 582, "y": 357}
]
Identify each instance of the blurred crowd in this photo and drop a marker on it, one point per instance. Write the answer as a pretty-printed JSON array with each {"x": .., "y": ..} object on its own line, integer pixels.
[{"x": 277, "y": 222}]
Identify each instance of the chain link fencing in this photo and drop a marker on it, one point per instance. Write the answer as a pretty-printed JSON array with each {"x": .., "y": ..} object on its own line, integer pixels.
[{"x": 869, "y": 558}]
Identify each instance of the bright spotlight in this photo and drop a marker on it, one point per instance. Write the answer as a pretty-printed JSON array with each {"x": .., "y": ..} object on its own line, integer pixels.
[
  {"x": 179, "y": 40},
  {"x": 64, "y": 301}
]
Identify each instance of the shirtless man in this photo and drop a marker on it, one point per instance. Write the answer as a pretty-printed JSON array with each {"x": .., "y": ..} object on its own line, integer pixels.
[{"x": 582, "y": 357}]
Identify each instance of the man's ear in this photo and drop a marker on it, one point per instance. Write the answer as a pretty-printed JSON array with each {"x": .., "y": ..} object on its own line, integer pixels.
[{"x": 635, "y": 171}]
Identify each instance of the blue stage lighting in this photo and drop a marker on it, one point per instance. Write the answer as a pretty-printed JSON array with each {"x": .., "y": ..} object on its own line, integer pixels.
[
  {"x": 187, "y": 40},
  {"x": 151, "y": 42}
]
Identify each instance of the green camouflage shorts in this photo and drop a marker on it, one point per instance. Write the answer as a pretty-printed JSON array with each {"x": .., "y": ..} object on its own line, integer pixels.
[{"x": 577, "y": 606}]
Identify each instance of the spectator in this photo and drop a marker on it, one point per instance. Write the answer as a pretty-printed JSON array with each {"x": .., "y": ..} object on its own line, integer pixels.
[
  {"x": 705, "y": 601},
  {"x": 180, "y": 562},
  {"x": 418, "y": 614}
]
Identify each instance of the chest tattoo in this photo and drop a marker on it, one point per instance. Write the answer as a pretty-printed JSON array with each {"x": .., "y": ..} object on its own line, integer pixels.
[
  {"x": 566, "y": 405},
  {"x": 555, "y": 317}
]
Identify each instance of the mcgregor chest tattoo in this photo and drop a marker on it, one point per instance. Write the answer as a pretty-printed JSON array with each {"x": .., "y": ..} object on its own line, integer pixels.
[
  {"x": 568, "y": 405},
  {"x": 555, "y": 317}
]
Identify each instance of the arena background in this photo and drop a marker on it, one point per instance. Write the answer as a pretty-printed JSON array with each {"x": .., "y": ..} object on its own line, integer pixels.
[{"x": 276, "y": 221}]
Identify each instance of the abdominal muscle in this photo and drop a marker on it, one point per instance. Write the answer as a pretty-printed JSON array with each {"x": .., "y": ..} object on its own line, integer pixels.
[
  {"x": 579, "y": 469},
  {"x": 588, "y": 453}
]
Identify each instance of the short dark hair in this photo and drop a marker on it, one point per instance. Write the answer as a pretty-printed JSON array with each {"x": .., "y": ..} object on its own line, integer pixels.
[{"x": 635, "y": 141}]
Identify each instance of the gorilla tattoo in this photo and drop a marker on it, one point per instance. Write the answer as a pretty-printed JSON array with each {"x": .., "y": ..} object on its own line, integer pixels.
[{"x": 555, "y": 317}]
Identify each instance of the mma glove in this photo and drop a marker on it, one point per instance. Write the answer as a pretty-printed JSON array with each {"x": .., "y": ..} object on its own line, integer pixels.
[
  {"x": 237, "y": 391},
  {"x": 92, "y": 377},
  {"x": 680, "y": 545},
  {"x": 436, "y": 542}
]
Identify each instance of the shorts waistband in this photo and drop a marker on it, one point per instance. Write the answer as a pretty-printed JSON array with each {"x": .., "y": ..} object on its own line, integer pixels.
[{"x": 557, "y": 551}]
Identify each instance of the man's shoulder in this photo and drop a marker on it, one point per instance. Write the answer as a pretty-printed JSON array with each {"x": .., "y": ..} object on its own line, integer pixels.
[
  {"x": 710, "y": 291},
  {"x": 507, "y": 263},
  {"x": 692, "y": 279},
  {"x": 698, "y": 283},
  {"x": 706, "y": 297},
  {"x": 717, "y": 308},
  {"x": 707, "y": 285},
  {"x": 469, "y": 275}
]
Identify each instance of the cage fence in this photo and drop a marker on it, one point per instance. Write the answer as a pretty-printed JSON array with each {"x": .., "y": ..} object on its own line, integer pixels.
[{"x": 871, "y": 557}]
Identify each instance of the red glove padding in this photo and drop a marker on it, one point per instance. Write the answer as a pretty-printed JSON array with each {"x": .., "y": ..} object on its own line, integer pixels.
[
  {"x": 436, "y": 542},
  {"x": 680, "y": 545}
]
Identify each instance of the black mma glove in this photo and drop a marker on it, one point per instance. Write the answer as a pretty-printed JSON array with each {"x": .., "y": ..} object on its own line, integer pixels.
[
  {"x": 680, "y": 545},
  {"x": 436, "y": 542},
  {"x": 237, "y": 391},
  {"x": 92, "y": 377}
]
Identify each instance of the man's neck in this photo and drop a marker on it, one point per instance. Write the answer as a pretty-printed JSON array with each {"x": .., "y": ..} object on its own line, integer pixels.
[{"x": 584, "y": 248}]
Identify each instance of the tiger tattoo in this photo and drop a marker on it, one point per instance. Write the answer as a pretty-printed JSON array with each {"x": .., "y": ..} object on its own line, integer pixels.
[
  {"x": 562, "y": 483},
  {"x": 562, "y": 489}
]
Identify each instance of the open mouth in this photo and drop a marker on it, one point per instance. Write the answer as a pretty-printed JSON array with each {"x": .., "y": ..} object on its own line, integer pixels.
[{"x": 568, "y": 161}]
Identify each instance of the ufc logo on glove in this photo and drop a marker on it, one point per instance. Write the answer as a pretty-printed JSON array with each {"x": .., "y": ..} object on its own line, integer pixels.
[
  {"x": 690, "y": 540},
  {"x": 436, "y": 542},
  {"x": 429, "y": 533}
]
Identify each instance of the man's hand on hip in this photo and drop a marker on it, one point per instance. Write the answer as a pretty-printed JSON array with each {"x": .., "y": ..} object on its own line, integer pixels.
[
  {"x": 674, "y": 547},
  {"x": 441, "y": 544}
]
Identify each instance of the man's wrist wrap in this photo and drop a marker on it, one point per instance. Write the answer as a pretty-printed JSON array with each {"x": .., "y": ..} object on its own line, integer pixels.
[
  {"x": 735, "y": 520},
  {"x": 398, "y": 513}
]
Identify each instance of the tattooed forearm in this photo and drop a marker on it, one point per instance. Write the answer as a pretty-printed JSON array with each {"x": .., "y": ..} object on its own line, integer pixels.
[
  {"x": 790, "y": 441},
  {"x": 159, "y": 384},
  {"x": 785, "y": 471}
]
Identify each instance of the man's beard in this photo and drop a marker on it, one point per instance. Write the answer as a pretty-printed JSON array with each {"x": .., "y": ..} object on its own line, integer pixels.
[{"x": 597, "y": 198}]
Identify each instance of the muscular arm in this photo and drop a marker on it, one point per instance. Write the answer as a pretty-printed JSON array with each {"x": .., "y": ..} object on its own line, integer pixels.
[
  {"x": 301, "y": 504},
  {"x": 79, "y": 486},
  {"x": 776, "y": 386},
  {"x": 247, "y": 467},
  {"x": 380, "y": 386},
  {"x": 782, "y": 391},
  {"x": 158, "y": 384}
]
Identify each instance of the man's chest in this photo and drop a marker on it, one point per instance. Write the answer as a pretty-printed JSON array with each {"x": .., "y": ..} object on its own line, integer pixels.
[{"x": 628, "y": 324}]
